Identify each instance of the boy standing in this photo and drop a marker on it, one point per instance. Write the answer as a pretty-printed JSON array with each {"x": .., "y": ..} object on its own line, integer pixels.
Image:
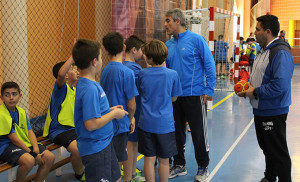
[
  {"x": 59, "y": 125},
  {"x": 18, "y": 143},
  {"x": 133, "y": 53},
  {"x": 158, "y": 86},
  {"x": 93, "y": 116},
  {"x": 118, "y": 82}
]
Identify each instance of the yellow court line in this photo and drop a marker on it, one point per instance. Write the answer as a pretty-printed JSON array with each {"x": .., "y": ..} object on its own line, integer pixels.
[{"x": 214, "y": 106}]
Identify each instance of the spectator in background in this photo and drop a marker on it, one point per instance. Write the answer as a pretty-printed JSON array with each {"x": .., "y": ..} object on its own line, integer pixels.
[
  {"x": 282, "y": 35},
  {"x": 221, "y": 49}
]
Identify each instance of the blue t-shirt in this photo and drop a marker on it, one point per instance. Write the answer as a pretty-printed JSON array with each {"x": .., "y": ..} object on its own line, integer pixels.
[
  {"x": 157, "y": 86},
  {"x": 58, "y": 97},
  {"x": 220, "y": 50},
  {"x": 4, "y": 140},
  {"x": 119, "y": 84},
  {"x": 136, "y": 68},
  {"x": 91, "y": 102}
]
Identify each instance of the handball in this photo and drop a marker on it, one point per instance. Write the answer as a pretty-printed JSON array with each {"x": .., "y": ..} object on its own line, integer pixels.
[{"x": 241, "y": 86}]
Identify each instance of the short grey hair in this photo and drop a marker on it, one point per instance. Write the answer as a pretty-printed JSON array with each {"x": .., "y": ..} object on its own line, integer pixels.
[{"x": 177, "y": 14}]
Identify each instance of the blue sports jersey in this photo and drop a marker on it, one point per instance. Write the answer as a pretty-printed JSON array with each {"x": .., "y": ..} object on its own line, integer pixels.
[
  {"x": 57, "y": 98},
  {"x": 91, "y": 102},
  {"x": 136, "y": 68},
  {"x": 157, "y": 86},
  {"x": 119, "y": 84},
  {"x": 4, "y": 140}
]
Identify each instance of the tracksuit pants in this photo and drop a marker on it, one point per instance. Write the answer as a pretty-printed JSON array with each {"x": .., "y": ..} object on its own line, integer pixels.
[
  {"x": 271, "y": 137},
  {"x": 191, "y": 109}
]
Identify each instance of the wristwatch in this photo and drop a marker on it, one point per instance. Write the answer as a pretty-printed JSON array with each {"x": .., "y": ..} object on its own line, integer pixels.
[{"x": 255, "y": 94}]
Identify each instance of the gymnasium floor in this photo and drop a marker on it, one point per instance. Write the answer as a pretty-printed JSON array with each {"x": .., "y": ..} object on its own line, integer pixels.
[{"x": 234, "y": 152}]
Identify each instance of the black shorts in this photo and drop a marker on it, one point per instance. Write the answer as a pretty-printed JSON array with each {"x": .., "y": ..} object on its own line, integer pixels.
[
  {"x": 102, "y": 166},
  {"x": 160, "y": 145},
  {"x": 65, "y": 138},
  {"x": 120, "y": 146},
  {"x": 251, "y": 62},
  {"x": 12, "y": 153}
]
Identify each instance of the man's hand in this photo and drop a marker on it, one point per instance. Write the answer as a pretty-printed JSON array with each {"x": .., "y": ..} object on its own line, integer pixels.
[
  {"x": 248, "y": 92},
  {"x": 205, "y": 98},
  {"x": 132, "y": 125}
]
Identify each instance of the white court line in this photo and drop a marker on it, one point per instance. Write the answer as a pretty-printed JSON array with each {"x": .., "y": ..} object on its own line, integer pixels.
[{"x": 215, "y": 170}]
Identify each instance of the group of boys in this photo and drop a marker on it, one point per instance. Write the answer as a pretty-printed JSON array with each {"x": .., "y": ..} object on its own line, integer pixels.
[{"x": 98, "y": 124}]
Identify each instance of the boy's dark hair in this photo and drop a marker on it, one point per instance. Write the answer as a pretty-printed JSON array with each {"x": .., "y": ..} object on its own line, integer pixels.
[
  {"x": 156, "y": 50},
  {"x": 7, "y": 85},
  {"x": 249, "y": 40},
  {"x": 241, "y": 38},
  {"x": 270, "y": 22},
  {"x": 253, "y": 39},
  {"x": 113, "y": 43},
  {"x": 56, "y": 68},
  {"x": 133, "y": 41},
  {"x": 84, "y": 51},
  {"x": 220, "y": 37}
]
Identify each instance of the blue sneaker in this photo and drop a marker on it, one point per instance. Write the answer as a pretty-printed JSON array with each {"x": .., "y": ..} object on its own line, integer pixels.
[
  {"x": 202, "y": 174},
  {"x": 177, "y": 170}
]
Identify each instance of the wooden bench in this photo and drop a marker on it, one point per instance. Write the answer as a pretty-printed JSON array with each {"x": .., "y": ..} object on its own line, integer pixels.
[{"x": 59, "y": 160}]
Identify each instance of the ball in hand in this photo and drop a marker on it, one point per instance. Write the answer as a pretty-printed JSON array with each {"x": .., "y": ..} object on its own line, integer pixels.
[{"x": 241, "y": 86}]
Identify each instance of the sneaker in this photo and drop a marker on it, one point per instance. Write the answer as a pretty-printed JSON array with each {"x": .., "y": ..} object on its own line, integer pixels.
[
  {"x": 177, "y": 170},
  {"x": 138, "y": 171},
  {"x": 138, "y": 179},
  {"x": 223, "y": 77},
  {"x": 202, "y": 174}
]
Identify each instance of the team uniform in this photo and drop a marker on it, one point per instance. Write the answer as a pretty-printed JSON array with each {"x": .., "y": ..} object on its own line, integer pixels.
[
  {"x": 191, "y": 58},
  {"x": 59, "y": 124},
  {"x": 251, "y": 53},
  {"x": 14, "y": 122},
  {"x": 119, "y": 84},
  {"x": 157, "y": 86},
  {"x": 136, "y": 68},
  {"x": 95, "y": 146},
  {"x": 271, "y": 76},
  {"x": 221, "y": 52}
]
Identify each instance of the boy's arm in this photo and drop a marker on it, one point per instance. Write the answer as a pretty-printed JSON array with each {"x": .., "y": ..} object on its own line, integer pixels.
[
  {"x": 96, "y": 123},
  {"x": 174, "y": 99},
  {"x": 33, "y": 141},
  {"x": 131, "y": 111},
  {"x": 17, "y": 142},
  {"x": 61, "y": 77}
]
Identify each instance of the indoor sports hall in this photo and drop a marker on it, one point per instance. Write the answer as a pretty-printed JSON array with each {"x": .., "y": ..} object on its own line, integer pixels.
[{"x": 35, "y": 35}]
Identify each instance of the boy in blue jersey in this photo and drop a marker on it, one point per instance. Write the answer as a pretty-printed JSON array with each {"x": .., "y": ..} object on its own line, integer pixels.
[
  {"x": 93, "y": 116},
  {"x": 18, "y": 143},
  {"x": 133, "y": 53},
  {"x": 59, "y": 124},
  {"x": 118, "y": 82},
  {"x": 158, "y": 87}
]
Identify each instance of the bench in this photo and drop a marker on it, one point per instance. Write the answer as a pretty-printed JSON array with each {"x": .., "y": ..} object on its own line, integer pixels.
[{"x": 59, "y": 160}]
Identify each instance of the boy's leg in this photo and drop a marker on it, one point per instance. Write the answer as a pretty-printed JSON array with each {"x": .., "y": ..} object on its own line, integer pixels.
[
  {"x": 68, "y": 140},
  {"x": 120, "y": 145},
  {"x": 26, "y": 163},
  {"x": 163, "y": 169},
  {"x": 44, "y": 169},
  {"x": 15, "y": 155},
  {"x": 129, "y": 169},
  {"x": 149, "y": 168},
  {"x": 75, "y": 158}
]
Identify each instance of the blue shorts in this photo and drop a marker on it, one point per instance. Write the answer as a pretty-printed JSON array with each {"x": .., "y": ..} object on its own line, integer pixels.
[
  {"x": 120, "y": 146},
  {"x": 160, "y": 145},
  {"x": 102, "y": 166},
  {"x": 13, "y": 153}
]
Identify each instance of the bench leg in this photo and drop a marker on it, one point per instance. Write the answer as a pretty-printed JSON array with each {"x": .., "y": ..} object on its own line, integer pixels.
[
  {"x": 11, "y": 174},
  {"x": 58, "y": 158}
]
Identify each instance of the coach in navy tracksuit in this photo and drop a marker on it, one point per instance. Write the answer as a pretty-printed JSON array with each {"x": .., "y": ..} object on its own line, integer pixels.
[{"x": 270, "y": 97}]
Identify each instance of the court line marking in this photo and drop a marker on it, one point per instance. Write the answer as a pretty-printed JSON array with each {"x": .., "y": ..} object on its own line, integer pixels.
[
  {"x": 215, "y": 170},
  {"x": 214, "y": 106}
]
